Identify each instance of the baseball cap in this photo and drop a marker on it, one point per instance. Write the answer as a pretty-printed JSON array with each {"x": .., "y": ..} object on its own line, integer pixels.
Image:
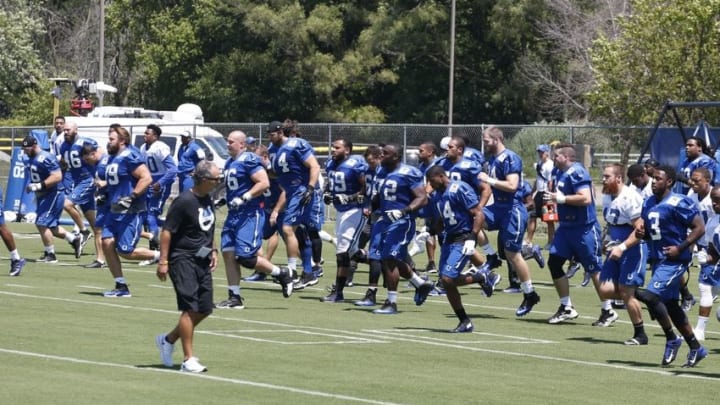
[
  {"x": 250, "y": 140},
  {"x": 543, "y": 148},
  {"x": 445, "y": 142},
  {"x": 275, "y": 126},
  {"x": 186, "y": 134},
  {"x": 29, "y": 141}
]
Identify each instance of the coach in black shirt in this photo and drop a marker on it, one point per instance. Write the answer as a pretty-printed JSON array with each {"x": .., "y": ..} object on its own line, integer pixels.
[{"x": 188, "y": 255}]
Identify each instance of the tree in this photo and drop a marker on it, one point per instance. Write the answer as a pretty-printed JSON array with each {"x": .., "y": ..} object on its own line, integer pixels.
[
  {"x": 664, "y": 50},
  {"x": 20, "y": 64}
]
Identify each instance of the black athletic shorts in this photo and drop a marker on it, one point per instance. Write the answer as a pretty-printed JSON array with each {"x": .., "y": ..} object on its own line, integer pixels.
[
  {"x": 193, "y": 284},
  {"x": 539, "y": 204}
]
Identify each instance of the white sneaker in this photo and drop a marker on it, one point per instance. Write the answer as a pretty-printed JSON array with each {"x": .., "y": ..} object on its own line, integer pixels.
[
  {"x": 166, "y": 350},
  {"x": 148, "y": 262},
  {"x": 564, "y": 313},
  {"x": 699, "y": 334},
  {"x": 192, "y": 365}
]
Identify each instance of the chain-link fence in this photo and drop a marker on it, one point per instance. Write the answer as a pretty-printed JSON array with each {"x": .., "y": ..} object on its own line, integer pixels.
[{"x": 523, "y": 139}]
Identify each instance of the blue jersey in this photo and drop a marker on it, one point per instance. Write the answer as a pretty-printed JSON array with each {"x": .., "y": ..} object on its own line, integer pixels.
[
  {"x": 500, "y": 167},
  {"x": 346, "y": 178},
  {"x": 688, "y": 167},
  {"x": 238, "y": 179},
  {"x": 72, "y": 155},
  {"x": 465, "y": 170},
  {"x": 525, "y": 190},
  {"x": 667, "y": 223},
  {"x": 474, "y": 155},
  {"x": 272, "y": 194},
  {"x": 396, "y": 191},
  {"x": 453, "y": 207},
  {"x": 189, "y": 156},
  {"x": 288, "y": 163},
  {"x": 40, "y": 167},
  {"x": 120, "y": 179},
  {"x": 570, "y": 182}
]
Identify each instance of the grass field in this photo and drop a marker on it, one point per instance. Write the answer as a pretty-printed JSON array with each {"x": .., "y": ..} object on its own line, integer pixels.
[{"x": 63, "y": 343}]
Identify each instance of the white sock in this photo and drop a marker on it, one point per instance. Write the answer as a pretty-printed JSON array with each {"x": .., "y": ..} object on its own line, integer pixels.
[
  {"x": 392, "y": 296},
  {"x": 120, "y": 280},
  {"x": 50, "y": 249},
  {"x": 488, "y": 249},
  {"x": 275, "y": 271},
  {"x": 565, "y": 301},
  {"x": 14, "y": 255},
  {"x": 701, "y": 323},
  {"x": 527, "y": 287},
  {"x": 235, "y": 289},
  {"x": 416, "y": 281},
  {"x": 292, "y": 263},
  {"x": 607, "y": 305}
]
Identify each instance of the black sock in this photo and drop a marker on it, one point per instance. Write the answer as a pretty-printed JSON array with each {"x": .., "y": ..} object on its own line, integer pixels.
[
  {"x": 639, "y": 329},
  {"x": 340, "y": 284},
  {"x": 693, "y": 343},
  {"x": 669, "y": 334},
  {"x": 460, "y": 313}
]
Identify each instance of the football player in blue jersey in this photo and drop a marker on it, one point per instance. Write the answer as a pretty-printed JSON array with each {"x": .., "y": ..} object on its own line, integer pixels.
[
  {"x": 345, "y": 190},
  {"x": 82, "y": 191},
  {"x": 94, "y": 156},
  {"x": 456, "y": 206},
  {"x": 401, "y": 195},
  {"x": 697, "y": 155},
  {"x": 46, "y": 182},
  {"x": 190, "y": 154},
  {"x": 163, "y": 170},
  {"x": 578, "y": 232},
  {"x": 508, "y": 214},
  {"x": 427, "y": 155},
  {"x": 671, "y": 224},
  {"x": 246, "y": 180},
  {"x": 127, "y": 181},
  {"x": 298, "y": 171}
]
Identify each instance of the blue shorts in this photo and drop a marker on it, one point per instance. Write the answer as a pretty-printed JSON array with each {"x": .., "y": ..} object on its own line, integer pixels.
[
  {"x": 710, "y": 275},
  {"x": 375, "y": 245},
  {"x": 67, "y": 183},
  {"x": 49, "y": 209},
  {"x": 510, "y": 222},
  {"x": 125, "y": 232},
  {"x": 395, "y": 237},
  {"x": 156, "y": 202},
  {"x": 295, "y": 212},
  {"x": 317, "y": 214},
  {"x": 101, "y": 215},
  {"x": 242, "y": 233},
  {"x": 452, "y": 261},
  {"x": 582, "y": 244},
  {"x": 629, "y": 270},
  {"x": 83, "y": 194},
  {"x": 666, "y": 279},
  {"x": 270, "y": 230}
]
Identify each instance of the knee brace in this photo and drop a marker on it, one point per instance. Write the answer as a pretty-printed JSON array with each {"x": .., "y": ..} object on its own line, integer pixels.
[
  {"x": 247, "y": 262},
  {"x": 656, "y": 308},
  {"x": 555, "y": 264},
  {"x": 343, "y": 259},
  {"x": 375, "y": 271}
]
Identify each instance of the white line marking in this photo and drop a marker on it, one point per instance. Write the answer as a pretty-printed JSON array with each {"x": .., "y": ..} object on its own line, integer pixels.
[
  {"x": 160, "y": 286},
  {"x": 674, "y": 373},
  {"x": 517, "y": 339},
  {"x": 205, "y": 376},
  {"x": 346, "y": 339},
  {"x": 20, "y": 285}
]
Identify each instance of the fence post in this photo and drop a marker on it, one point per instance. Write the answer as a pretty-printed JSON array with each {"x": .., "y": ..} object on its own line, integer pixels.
[{"x": 405, "y": 143}]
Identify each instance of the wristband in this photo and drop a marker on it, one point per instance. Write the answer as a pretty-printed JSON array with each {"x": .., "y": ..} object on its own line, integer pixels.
[
  {"x": 247, "y": 196},
  {"x": 214, "y": 250},
  {"x": 560, "y": 198},
  {"x": 133, "y": 195},
  {"x": 492, "y": 181},
  {"x": 622, "y": 246},
  {"x": 42, "y": 185},
  {"x": 163, "y": 262}
]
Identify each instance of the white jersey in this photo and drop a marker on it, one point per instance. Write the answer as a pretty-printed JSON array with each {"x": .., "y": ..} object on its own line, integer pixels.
[
  {"x": 56, "y": 139},
  {"x": 706, "y": 212},
  {"x": 712, "y": 230},
  {"x": 544, "y": 174},
  {"x": 646, "y": 191},
  {"x": 155, "y": 157},
  {"x": 621, "y": 211}
]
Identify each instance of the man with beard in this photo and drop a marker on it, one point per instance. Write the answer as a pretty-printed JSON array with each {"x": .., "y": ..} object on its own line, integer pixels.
[
  {"x": 82, "y": 188},
  {"x": 128, "y": 180},
  {"x": 46, "y": 181},
  {"x": 671, "y": 224},
  {"x": 697, "y": 155},
  {"x": 508, "y": 214},
  {"x": 401, "y": 195},
  {"x": 624, "y": 268}
]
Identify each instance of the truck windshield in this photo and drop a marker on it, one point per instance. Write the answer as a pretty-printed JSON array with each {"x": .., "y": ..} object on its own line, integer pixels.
[{"x": 219, "y": 146}]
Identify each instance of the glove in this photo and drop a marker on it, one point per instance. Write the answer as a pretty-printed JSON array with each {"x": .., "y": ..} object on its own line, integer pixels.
[
  {"x": 125, "y": 202},
  {"x": 342, "y": 199},
  {"x": 469, "y": 247},
  {"x": 35, "y": 187},
  {"x": 394, "y": 215},
  {"x": 702, "y": 257},
  {"x": 100, "y": 199},
  {"x": 327, "y": 198},
  {"x": 307, "y": 195},
  {"x": 236, "y": 202}
]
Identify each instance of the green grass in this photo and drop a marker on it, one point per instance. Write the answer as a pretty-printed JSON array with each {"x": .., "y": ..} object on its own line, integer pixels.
[{"x": 63, "y": 343}]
